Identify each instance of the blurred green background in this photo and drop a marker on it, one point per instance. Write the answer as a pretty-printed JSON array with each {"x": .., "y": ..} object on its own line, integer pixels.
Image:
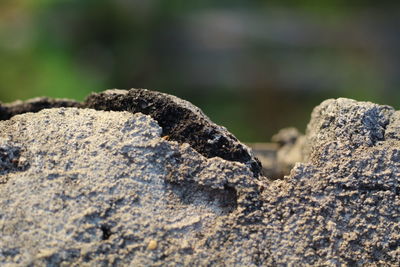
[{"x": 252, "y": 66}]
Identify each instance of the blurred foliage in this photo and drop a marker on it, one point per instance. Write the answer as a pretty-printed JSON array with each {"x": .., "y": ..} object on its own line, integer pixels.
[{"x": 252, "y": 66}]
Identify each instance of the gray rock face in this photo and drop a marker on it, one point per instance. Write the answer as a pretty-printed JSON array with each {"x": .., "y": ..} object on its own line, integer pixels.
[
  {"x": 347, "y": 123},
  {"x": 343, "y": 205},
  {"x": 80, "y": 186},
  {"x": 105, "y": 188}
]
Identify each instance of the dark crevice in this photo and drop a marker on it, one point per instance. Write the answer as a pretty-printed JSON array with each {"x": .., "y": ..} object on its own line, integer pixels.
[
  {"x": 106, "y": 232},
  {"x": 370, "y": 188}
]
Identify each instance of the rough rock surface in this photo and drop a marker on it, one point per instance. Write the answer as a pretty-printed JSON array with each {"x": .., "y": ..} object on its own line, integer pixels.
[
  {"x": 180, "y": 120},
  {"x": 342, "y": 206},
  {"x": 105, "y": 188},
  {"x": 79, "y": 186}
]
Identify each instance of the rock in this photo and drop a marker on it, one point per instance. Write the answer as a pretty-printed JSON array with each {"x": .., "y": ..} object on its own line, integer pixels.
[
  {"x": 342, "y": 206},
  {"x": 33, "y": 105},
  {"x": 347, "y": 123},
  {"x": 104, "y": 188},
  {"x": 180, "y": 120},
  {"x": 286, "y": 136},
  {"x": 80, "y": 186},
  {"x": 291, "y": 143}
]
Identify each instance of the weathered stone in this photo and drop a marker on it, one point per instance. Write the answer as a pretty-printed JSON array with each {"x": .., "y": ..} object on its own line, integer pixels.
[
  {"x": 180, "y": 120},
  {"x": 103, "y": 188},
  {"x": 345, "y": 122},
  {"x": 342, "y": 206},
  {"x": 33, "y": 105},
  {"x": 80, "y": 186}
]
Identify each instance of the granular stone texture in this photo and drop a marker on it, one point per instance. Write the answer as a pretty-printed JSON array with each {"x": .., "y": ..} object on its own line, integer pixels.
[
  {"x": 342, "y": 206},
  {"x": 346, "y": 123},
  {"x": 180, "y": 120},
  {"x": 99, "y": 188},
  {"x": 105, "y": 188}
]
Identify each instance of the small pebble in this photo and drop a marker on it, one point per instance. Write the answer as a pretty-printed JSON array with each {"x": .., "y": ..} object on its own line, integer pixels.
[{"x": 152, "y": 245}]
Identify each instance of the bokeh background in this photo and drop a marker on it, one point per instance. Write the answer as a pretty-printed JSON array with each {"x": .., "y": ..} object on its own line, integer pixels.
[{"x": 252, "y": 66}]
